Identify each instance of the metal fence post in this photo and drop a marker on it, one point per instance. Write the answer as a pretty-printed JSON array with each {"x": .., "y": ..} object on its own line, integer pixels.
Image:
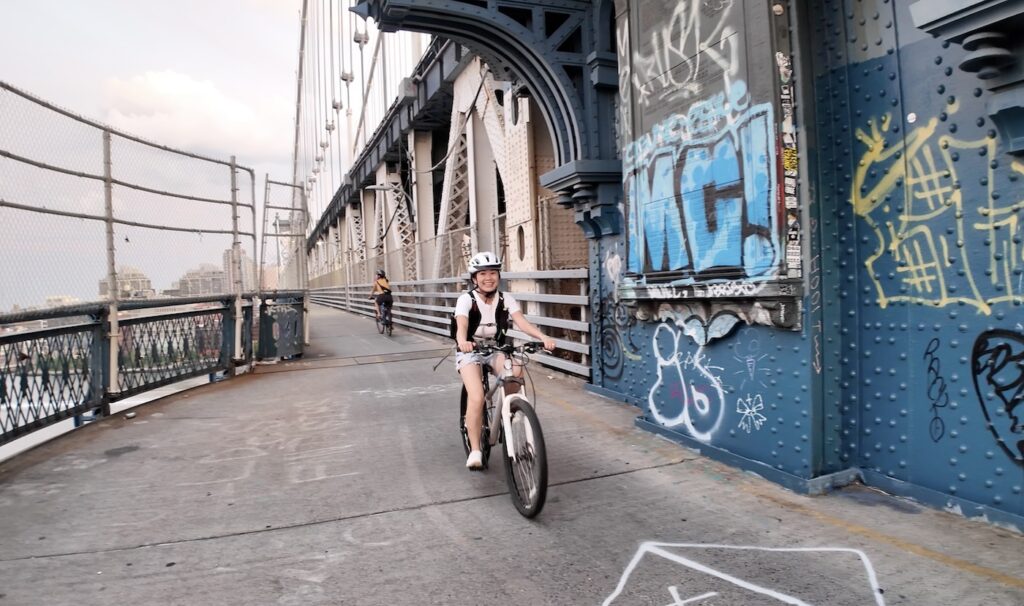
[
  {"x": 229, "y": 336},
  {"x": 113, "y": 291},
  {"x": 97, "y": 368},
  {"x": 304, "y": 268},
  {"x": 236, "y": 265}
]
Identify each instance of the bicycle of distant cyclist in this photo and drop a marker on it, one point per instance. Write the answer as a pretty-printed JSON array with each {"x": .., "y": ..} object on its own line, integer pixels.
[
  {"x": 511, "y": 420},
  {"x": 384, "y": 322}
]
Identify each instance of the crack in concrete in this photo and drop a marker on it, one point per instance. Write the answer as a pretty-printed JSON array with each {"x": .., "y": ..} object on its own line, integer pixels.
[{"x": 300, "y": 525}]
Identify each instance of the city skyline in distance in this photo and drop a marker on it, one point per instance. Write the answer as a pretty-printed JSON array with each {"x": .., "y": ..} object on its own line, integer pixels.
[{"x": 202, "y": 278}]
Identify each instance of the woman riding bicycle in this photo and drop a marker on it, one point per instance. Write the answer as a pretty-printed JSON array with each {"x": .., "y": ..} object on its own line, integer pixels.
[
  {"x": 381, "y": 293},
  {"x": 483, "y": 314}
]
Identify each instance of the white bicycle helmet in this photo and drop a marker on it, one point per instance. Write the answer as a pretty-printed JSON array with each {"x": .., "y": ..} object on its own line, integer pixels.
[{"x": 483, "y": 260}]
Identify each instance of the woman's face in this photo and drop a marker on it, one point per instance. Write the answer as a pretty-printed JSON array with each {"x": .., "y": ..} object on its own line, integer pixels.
[{"x": 487, "y": 279}]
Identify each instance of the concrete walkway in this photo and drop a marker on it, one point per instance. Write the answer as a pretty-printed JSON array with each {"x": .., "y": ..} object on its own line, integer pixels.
[{"x": 339, "y": 479}]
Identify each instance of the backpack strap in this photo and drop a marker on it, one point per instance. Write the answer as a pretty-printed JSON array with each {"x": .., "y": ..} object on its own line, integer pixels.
[
  {"x": 501, "y": 319},
  {"x": 474, "y": 319}
]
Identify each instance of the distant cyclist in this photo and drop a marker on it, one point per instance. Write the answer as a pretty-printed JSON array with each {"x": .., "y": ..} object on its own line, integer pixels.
[
  {"x": 381, "y": 293},
  {"x": 482, "y": 315}
]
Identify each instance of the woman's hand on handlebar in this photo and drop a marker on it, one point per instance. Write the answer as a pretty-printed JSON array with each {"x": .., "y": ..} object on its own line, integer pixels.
[
  {"x": 549, "y": 343},
  {"x": 465, "y": 346}
]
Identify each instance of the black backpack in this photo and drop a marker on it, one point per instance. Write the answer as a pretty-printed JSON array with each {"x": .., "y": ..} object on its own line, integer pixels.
[
  {"x": 500, "y": 318},
  {"x": 384, "y": 297}
]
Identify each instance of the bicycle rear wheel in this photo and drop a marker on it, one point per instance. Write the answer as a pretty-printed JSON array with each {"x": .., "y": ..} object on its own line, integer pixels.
[
  {"x": 527, "y": 474},
  {"x": 388, "y": 321},
  {"x": 380, "y": 323}
]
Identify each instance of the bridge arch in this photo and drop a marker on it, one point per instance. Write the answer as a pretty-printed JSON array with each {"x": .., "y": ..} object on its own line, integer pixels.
[{"x": 562, "y": 53}]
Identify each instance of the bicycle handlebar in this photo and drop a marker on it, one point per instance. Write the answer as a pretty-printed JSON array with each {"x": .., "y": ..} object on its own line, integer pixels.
[{"x": 508, "y": 348}]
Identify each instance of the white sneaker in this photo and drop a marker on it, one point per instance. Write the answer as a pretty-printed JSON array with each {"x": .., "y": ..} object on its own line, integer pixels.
[{"x": 475, "y": 460}]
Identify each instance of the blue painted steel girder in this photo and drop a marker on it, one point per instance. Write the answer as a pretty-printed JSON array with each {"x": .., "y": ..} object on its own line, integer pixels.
[
  {"x": 427, "y": 109},
  {"x": 569, "y": 70},
  {"x": 507, "y": 44}
]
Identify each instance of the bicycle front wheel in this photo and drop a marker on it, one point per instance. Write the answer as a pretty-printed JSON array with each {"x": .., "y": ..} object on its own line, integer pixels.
[
  {"x": 380, "y": 324},
  {"x": 526, "y": 470}
]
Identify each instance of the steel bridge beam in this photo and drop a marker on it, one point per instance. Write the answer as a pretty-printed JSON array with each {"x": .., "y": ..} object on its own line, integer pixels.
[
  {"x": 425, "y": 105},
  {"x": 562, "y": 52}
]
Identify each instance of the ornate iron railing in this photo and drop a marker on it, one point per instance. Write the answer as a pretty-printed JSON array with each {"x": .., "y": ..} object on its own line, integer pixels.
[
  {"x": 49, "y": 375},
  {"x": 55, "y": 364}
]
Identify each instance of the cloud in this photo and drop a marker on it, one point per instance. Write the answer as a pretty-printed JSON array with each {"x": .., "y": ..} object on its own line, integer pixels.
[
  {"x": 178, "y": 111},
  {"x": 276, "y": 8}
]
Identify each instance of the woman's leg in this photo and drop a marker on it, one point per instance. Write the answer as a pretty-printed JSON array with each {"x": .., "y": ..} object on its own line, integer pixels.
[
  {"x": 473, "y": 380},
  {"x": 511, "y": 387}
]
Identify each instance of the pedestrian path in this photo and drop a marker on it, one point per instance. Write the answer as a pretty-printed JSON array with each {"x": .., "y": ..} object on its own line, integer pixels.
[{"x": 338, "y": 478}]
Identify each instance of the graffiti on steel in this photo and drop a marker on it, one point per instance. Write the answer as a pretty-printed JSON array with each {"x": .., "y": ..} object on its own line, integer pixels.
[
  {"x": 689, "y": 381},
  {"x": 934, "y": 249},
  {"x": 673, "y": 62},
  {"x": 938, "y": 393},
  {"x": 997, "y": 362},
  {"x": 702, "y": 191}
]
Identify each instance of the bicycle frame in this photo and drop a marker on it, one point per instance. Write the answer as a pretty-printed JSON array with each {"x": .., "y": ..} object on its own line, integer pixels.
[{"x": 507, "y": 376}]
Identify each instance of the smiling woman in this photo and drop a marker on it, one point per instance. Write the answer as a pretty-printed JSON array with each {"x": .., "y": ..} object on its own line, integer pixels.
[{"x": 482, "y": 317}]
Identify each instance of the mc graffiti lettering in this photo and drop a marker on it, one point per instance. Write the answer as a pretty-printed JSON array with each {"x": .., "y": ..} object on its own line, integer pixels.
[{"x": 706, "y": 206}]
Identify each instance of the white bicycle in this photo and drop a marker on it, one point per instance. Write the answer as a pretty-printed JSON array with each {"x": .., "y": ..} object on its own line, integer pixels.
[{"x": 526, "y": 461}]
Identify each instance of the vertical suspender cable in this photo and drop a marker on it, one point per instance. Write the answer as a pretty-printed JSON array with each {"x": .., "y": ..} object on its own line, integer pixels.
[
  {"x": 336, "y": 79},
  {"x": 298, "y": 97},
  {"x": 333, "y": 112},
  {"x": 314, "y": 142}
]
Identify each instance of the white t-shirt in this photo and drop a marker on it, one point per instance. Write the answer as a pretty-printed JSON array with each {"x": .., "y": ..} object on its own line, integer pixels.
[{"x": 488, "y": 327}]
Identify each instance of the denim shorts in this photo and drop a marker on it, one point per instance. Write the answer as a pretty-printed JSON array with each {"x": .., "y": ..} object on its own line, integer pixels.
[{"x": 461, "y": 359}]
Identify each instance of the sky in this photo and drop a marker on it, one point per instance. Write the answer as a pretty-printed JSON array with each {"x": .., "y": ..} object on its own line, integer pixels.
[{"x": 214, "y": 77}]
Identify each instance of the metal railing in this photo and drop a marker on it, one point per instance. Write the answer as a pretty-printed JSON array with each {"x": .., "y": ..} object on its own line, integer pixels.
[
  {"x": 126, "y": 218},
  {"x": 427, "y": 305},
  {"x": 283, "y": 262},
  {"x": 127, "y": 265},
  {"x": 56, "y": 364}
]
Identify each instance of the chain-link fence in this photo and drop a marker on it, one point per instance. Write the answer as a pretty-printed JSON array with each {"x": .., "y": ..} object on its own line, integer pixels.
[
  {"x": 91, "y": 214},
  {"x": 126, "y": 265},
  {"x": 283, "y": 264},
  {"x": 448, "y": 254}
]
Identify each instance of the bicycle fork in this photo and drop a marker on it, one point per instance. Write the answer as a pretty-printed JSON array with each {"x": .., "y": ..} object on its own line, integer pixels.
[
  {"x": 506, "y": 414},
  {"x": 511, "y": 444},
  {"x": 505, "y": 411}
]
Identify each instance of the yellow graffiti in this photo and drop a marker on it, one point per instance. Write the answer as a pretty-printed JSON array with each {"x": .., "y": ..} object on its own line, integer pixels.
[
  {"x": 923, "y": 242},
  {"x": 790, "y": 159}
]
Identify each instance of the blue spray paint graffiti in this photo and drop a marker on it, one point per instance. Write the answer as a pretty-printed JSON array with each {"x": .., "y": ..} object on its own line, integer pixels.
[{"x": 702, "y": 192}]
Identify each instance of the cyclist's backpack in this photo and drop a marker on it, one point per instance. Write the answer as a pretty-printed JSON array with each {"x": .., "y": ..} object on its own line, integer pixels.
[
  {"x": 500, "y": 318},
  {"x": 384, "y": 298}
]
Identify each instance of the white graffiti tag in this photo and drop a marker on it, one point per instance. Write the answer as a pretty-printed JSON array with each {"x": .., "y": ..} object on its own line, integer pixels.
[
  {"x": 613, "y": 269},
  {"x": 696, "y": 39},
  {"x": 751, "y": 407},
  {"x": 688, "y": 380}
]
